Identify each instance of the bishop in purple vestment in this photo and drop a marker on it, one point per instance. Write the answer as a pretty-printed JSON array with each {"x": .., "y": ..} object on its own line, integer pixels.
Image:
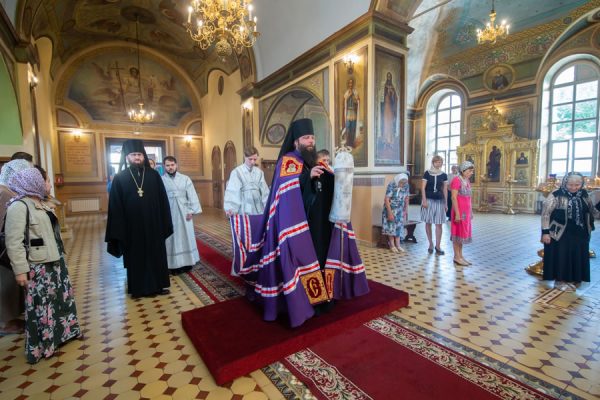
[{"x": 292, "y": 257}]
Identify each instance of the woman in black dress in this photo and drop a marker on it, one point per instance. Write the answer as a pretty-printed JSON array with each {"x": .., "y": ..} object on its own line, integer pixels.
[{"x": 567, "y": 222}]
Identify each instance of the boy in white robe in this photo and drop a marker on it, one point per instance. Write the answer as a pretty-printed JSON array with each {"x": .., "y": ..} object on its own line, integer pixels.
[
  {"x": 182, "y": 251},
  {"x": 246, "y": 192}
]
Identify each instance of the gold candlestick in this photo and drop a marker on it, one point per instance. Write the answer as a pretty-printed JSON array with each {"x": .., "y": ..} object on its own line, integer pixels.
[
  {"x": 483, "y": 202},
  {"x": 509, "y": 206}
]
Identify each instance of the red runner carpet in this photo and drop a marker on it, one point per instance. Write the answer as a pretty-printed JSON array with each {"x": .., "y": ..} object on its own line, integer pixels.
[
  {"x": 381, "y": 359},
  {"x": 234, "y": 340}
]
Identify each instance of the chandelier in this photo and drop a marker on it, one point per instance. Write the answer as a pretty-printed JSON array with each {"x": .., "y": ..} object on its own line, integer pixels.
[
  {"x": 491, "y": 32},
  {"x": 229, "y": 23},
  {"x": 139, "y": 114}
]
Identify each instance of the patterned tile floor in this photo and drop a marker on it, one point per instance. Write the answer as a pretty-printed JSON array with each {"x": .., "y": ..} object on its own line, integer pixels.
[{"x": 491, "y": 311}]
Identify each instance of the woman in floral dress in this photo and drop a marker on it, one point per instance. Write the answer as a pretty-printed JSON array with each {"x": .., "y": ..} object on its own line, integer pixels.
[
  {"x": 460, "y": 230},
  {"x": 395, "y": 211},
  {"x": 50, "y": 312}
]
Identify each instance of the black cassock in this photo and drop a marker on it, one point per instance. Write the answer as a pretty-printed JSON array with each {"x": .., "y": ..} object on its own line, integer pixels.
[
  {"x": 137, "y": 228},
  {"x": 317, "y": 195}
]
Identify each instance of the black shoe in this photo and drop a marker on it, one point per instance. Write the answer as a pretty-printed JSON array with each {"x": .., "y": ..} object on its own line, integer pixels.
[
  {"x": 430, "y": 250},
  {"x": 439, "y": 252},
  {"x": 187, "y": 268}
]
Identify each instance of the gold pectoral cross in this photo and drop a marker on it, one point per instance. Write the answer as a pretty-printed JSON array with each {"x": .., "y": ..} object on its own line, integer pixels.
[{"x": 140, "y": 192}]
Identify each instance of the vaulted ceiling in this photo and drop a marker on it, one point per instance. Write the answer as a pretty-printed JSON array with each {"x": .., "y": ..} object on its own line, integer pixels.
[{"x": 288, "y": 27}]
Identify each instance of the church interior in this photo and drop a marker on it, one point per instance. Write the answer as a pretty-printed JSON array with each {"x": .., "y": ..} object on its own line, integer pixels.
[{"x": 517, "y": 96}]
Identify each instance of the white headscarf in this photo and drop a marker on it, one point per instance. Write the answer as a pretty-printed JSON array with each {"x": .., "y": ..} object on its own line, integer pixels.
[
  {"x": 400, "y": 177},
  {"x": 11, "y": 168}
]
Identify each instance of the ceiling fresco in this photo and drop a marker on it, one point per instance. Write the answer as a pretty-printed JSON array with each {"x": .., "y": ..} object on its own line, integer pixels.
[
  {"x": 108, "y": 84},
  {"x": 457, "y": 21},
  {"x": 74, "y": 25}
]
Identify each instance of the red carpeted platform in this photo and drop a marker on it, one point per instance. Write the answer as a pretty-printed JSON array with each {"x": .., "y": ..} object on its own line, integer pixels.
[{"x": 233, "y": 340}]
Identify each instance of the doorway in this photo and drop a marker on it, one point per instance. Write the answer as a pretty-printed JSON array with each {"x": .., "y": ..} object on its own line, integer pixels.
[
  {"x": 155, "y": 149},
  {"x": 217, "y": 177}
]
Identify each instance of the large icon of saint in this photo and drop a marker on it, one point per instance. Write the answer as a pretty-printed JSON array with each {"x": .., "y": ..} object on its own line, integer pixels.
[
  {"x": 493, "y": 165},
  {"x": 389, "y": 107},
  {"x": 351, "y": 107}
]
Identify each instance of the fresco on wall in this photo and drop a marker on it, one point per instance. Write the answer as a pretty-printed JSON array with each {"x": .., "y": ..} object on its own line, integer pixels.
[
  {"x": 388, "y": 112},
  {"x": 351, "y": 107},
  {"x": 106, "y": 86}
]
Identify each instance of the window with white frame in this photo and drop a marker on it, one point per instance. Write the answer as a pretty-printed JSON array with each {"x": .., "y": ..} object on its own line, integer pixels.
[
  {"x": 573, "y": 120},
  {"x": 444, "y": 126}
]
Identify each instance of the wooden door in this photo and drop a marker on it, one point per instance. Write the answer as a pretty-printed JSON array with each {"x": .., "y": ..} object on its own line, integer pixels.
[
  {"x": 229, "y": 158},
  {"x": 217, "y": 177}
]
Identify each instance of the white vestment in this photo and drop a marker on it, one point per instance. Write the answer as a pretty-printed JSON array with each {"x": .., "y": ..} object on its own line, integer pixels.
[
  {"x": 181, "y": 245},
  {"x": 247, "y": 192}
]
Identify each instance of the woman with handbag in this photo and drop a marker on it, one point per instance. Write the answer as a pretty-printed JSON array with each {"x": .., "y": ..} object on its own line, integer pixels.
[
  {"x": 37, "y": 259},
  {"x": 567, "y": 223}
]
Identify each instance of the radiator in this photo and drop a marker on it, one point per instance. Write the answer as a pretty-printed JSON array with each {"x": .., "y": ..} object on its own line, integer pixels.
[{"x": 85, "y": 205}]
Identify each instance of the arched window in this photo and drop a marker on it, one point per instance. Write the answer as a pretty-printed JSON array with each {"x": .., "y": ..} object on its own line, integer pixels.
[
  {"x": 444, "y": 120},
  {"x": 572, "y": 118}
]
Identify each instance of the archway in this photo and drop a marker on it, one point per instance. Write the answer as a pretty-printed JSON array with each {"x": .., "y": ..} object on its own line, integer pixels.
[{"x": 295, "y": 104}]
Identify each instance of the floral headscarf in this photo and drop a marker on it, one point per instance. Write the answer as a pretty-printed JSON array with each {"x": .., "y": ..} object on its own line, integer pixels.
[
  {"x": 10, "y": 168},
  {"x": 28, "y": 182},
  {"x": 575, "y": 208},
  {"x": 465, "y": 165}
]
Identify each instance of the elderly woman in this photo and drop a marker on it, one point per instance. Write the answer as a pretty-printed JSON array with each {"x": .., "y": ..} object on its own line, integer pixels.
[
  {"x": 395, "y": 211},
  {"x": 460, "y": 228},
  {"x": 567, "y": 223},
  {"x": 11, "y": 295},
  {"x": 434, "y": 189},
  {"x": 39, "y": 266}
]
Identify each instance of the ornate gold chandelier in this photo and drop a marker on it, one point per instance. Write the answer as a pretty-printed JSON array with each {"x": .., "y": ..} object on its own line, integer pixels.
[
  {"x": 491, "y": 32},
  {"x": 139, "y": 115},
  {"x": 228, "y": 22}
]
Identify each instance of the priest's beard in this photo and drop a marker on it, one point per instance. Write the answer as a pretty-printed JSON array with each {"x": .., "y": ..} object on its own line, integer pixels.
[
  {"x": 309, "y": 155},
  {"x": 172, "y": 174}
]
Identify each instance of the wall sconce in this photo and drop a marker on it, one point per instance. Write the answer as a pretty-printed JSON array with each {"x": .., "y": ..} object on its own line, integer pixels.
[
  {"x": 188, "y": 140},
  {"x": 247, "y": 106},
  {"x": 349, "y": 61},
  {"x": 33, "y": 81},
  {"x": 77, "y": 135}
]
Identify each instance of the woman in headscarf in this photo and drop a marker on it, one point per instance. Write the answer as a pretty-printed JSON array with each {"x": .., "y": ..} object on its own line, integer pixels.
[
  {"x": 11, "y": 295},
  {"x": 395, "y": 211},
  {"x": 434, "y": 190},
  {"x": 460, "y": 228},
  {"x": 39, "y": 266},
  {"x": 567, "y": 223}
]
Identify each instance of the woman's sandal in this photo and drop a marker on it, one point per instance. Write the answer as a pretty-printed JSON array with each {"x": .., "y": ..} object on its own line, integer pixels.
[{"x": 460, "y": 262}]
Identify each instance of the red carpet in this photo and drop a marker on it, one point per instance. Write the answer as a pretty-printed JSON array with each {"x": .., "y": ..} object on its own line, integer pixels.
[
  {"x": 233, "y": 340},
  {"x": 217, "y": 261},
  {"x": 383, "y": 360}
]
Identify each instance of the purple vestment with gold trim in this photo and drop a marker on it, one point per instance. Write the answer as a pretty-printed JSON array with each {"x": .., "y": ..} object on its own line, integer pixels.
[{"x": 274, "y": 253}]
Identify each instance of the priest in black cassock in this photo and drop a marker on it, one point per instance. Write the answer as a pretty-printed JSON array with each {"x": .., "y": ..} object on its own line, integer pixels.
[{"x": 139, "y": 221}]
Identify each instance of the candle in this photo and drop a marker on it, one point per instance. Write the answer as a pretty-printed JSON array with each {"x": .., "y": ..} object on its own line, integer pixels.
[{"x": 190, "y": 14}]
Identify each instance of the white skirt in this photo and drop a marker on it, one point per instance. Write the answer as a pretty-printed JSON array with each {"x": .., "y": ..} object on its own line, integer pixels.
[{"x": 434, "y": 213}]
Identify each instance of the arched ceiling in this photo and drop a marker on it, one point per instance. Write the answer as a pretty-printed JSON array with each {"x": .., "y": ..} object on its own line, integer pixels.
[
  {"x": 75, "y": 25},
  {"x": 288, "y": 27}
]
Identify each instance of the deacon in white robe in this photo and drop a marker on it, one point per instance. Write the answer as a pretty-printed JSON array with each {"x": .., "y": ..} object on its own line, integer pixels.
[
  {"x": 246, "y": 192},
  {"x": 182, "y": 252}
]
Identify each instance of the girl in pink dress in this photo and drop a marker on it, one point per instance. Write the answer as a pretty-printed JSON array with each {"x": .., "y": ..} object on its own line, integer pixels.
[{"x": 461, "y": 214}]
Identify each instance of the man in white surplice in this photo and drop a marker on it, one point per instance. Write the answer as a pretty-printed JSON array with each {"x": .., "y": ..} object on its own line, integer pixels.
[
  {"x": 247, "y": 192},
  {"x": 182, "y": 252}
]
